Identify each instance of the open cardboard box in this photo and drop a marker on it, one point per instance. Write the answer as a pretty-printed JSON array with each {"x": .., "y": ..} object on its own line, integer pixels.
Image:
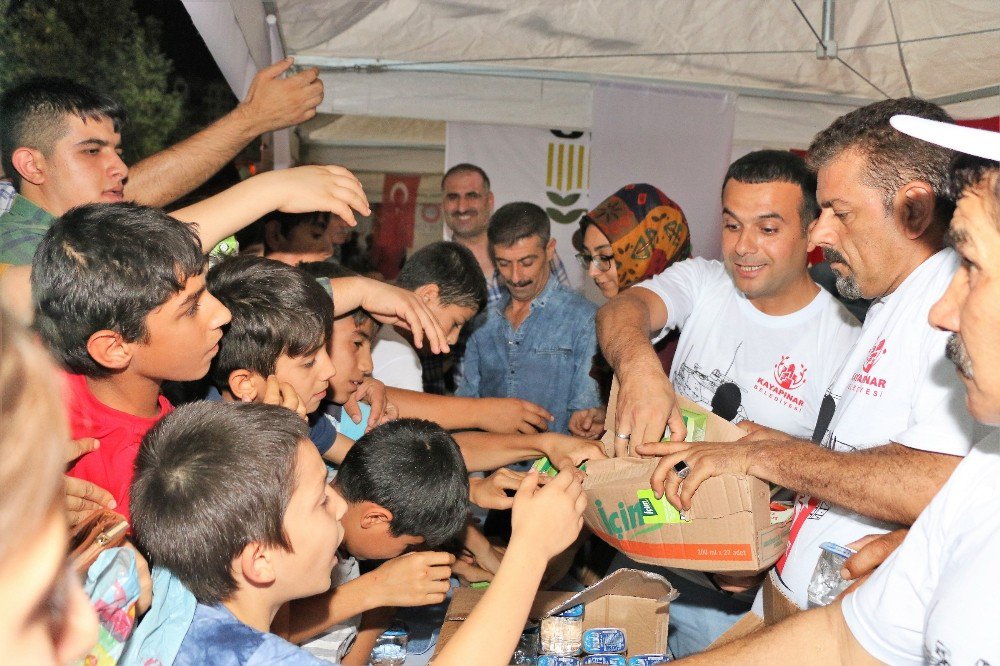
[
  {"x": 727, "y": 529},
  {"x": 636, "y": 601}
]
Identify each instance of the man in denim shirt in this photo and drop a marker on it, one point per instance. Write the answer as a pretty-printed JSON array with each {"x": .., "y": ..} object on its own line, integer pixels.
[{"x": 539, "y": 340}]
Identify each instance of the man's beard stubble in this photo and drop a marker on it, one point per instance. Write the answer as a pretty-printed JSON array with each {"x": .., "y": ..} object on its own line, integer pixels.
[{"x": 847, "y": 285}]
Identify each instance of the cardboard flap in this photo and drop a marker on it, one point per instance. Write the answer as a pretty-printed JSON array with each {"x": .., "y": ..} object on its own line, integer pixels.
[{"x": 624, "y": 582}]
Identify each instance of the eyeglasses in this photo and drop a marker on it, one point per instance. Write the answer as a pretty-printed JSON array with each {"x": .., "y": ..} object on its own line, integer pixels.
[{"x": 601, "y": 261}]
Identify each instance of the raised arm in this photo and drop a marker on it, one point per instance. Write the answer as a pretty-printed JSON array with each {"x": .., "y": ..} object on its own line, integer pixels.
[
  {"x": 545, "y": 521},
  {"x": 646, "y": 402},
  {"x": 891, "y": 482},
  {"x": 300, "y": 190},
  {"x": 390, "y": 305},
  {"x": 271, "y": 103}
]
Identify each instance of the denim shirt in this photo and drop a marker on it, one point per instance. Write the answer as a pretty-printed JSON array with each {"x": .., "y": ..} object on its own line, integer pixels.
[{"x": 547, "y": 360}]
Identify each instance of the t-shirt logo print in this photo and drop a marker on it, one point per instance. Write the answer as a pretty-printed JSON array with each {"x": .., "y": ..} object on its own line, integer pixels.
[
  {"x": 789, "y": 376},
  {"x": 874, "y": 354}
]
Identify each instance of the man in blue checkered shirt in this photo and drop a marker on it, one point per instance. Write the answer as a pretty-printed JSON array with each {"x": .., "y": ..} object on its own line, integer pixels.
[{"x": 467, "y": 204}]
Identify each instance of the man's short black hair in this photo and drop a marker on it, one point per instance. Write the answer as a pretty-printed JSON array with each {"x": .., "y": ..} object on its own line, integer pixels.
[
  {"x": 893, "y": 158},
  {"x": 465, "y": 167},
  {"x": 276, "y": 309},
  {"x": 108, "y": 266},
  {"x": 450, "y": 266},
  {"x": 514, "y": 221},
  {"x": 211, "y": 478},
  {"x": 971, "y": 171},
  {"x": 778, "y": 166},
  {"x": 414, "y": 469},
  {"x": 324, "y": 271},
  {"x": 32, "y": 115}
]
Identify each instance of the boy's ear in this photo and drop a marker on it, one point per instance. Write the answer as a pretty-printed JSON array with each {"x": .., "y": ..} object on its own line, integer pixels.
[
  {"x": 428, "y": 292},
  {"x": 246, "y": 385},
  {"x": 30, "y": 163},
  {"x": 375, "y": 515},
  {"x": 272, "y": 235},
  {"x": 255, "y": 566},
  {"x": 110, "y": 350}
]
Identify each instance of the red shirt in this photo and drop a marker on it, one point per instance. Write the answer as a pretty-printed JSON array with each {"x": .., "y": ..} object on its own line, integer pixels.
[{"x": 112, "y": 465}]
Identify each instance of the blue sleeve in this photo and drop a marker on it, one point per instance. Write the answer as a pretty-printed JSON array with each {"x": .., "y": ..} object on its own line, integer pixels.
[
  {"x": 323, "y": 432},
  {"x": 468, "y": 382}
]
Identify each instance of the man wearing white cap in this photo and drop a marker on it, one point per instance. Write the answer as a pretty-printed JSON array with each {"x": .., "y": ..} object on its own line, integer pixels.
[
  {"x": 931, "y": 602},
  {"x": 893, "y": 426}
]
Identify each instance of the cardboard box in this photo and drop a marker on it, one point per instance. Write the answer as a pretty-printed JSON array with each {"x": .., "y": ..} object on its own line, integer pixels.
[
  {"x": 636, "y": 601},
  {"x": 727, "y": 529}
]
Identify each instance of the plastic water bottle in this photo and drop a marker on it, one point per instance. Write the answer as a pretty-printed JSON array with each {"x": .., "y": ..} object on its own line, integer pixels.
[{"x": 390, "y": 648}]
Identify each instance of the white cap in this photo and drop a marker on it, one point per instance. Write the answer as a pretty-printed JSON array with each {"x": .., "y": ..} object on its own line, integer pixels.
[{"x": 978, "y": 142}]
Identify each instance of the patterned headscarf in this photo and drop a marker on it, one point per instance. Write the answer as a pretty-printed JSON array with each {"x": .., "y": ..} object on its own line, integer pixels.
[{"x": 647, "y": 231}]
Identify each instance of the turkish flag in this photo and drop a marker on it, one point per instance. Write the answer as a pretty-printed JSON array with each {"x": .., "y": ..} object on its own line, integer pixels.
[{"x": 394, "y": 227}]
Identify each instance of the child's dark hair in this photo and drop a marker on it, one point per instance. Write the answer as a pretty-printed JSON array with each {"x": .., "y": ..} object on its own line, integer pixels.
[
  {"x": 324, "y": 271},
  {"x": 107, "y": 266},
  {"x": 288, "y": 221},
  {"x": 211, "y": 478},
  {"x": 414, "y": 469},
  {"x": 450, "y": 266},
  {"x": 32, "y": 115},
  {"x": 276, "y": 309}
]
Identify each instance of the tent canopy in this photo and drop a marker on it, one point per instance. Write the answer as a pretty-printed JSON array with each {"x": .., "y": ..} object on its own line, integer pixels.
[{"x": 529, "y": 63}]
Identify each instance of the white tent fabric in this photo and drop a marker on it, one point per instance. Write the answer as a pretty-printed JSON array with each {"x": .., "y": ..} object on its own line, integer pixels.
[
  {"x": 530, "y": 63},
  {"x": 535, "y": 64}
]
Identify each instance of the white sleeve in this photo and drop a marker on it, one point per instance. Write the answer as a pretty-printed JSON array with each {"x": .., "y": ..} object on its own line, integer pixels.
[
  {"x": 397, "y": 366},
  {"x": 679, "y": 287},
  {"x": 939, "y": 420},
  {"x": 888, "y": 612}
]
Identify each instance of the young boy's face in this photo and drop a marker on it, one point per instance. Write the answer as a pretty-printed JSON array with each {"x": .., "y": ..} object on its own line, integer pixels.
[
  {"x": 451, "y": 318},
  {"x": 309, "y": 375},
  {"x": 367, "y": 534},
  {"x": 351, "y": 353},
  {"x": 183, "y": 335},
  {"x": 313, "y": 524},
  {"x": 84, "y": 165}
]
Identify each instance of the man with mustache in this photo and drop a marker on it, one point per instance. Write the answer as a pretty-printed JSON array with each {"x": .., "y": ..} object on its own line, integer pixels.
[
  {"x": 759, "y": 341},
  {"x": 466, "y": 204},
  {"x": 931, "y": 601},
  {"x": 538, "y": 341},
  {"x": 892, "y": 427}
]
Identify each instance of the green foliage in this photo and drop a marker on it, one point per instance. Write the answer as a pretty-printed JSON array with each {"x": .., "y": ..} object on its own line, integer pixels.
[{"x": 101, "y": 43}]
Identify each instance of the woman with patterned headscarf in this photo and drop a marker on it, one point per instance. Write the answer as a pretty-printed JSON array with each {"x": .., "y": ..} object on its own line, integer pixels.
[{"x": 632, "y": 235}]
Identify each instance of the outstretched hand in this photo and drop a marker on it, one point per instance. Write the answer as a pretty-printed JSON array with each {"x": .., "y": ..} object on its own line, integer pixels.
[
  {"x": 549, "y": 517},
  {"x": 646, "y": 407},
  {"x": 275, "y": 101}
]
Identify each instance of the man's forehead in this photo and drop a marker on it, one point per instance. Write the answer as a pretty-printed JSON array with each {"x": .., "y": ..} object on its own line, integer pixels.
[
  {"x": 521, "y": 249},
  {"x": 464, "y": 180}
]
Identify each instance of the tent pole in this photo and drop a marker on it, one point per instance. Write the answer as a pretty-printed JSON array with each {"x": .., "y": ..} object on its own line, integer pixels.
[{"x": 827, "y": 48}]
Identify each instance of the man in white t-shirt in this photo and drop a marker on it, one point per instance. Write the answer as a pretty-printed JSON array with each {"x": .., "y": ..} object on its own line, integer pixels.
[
  {"x": 892, "y": 427},
  {"x": 931, "y": 601},
  {"x": 760, "y": 341}
]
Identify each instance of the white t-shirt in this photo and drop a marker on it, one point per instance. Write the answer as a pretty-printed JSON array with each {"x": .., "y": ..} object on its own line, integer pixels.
[
  {"x": 743, "y": 364},
  {"x": 933, "y": 600},
  {"x": 396, "y": 364},
  {"x": 333, "y": 644},
  {"x": 896, "y": 386}
]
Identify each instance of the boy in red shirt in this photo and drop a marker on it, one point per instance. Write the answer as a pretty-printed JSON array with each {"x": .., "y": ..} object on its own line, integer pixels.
[{"x": 121, "y": 298}]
